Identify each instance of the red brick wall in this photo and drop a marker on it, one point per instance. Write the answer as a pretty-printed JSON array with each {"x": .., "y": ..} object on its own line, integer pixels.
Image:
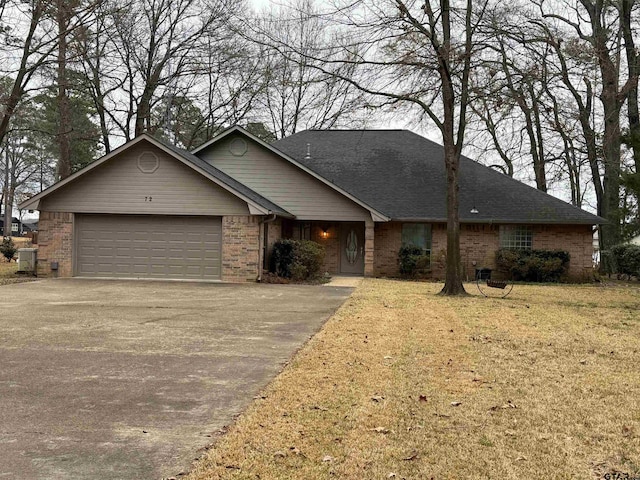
[
  {"x": 369, "y": 248},
  {"x": 274, "y": 233},
  {"x": 478, "y": 243},
  {"x": 331, "y": 245},
  {"x": 387, "y": 241},
  {"x": 55, "y": 244},
  {"x": 575, "y": 239},
  {"x": 240, "y": 248},
  {"x": 439, "y": 250}
]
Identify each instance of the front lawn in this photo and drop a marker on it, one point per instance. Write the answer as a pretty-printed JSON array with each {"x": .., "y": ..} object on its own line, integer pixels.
[
  {"x": 8, "y": 273},
  {"x": 402, "y": 383}
]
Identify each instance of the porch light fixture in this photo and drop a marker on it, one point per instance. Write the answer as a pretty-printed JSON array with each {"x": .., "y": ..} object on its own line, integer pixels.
[
  {"x": 325, "y": 233},
  {"x": 474, "y": 210}
]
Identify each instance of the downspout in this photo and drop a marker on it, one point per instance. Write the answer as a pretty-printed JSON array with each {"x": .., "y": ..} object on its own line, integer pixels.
[{"x": 261, "y": 246}]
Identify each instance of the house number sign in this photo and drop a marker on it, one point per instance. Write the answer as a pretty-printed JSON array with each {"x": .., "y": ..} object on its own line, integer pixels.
[{"x": 148, "y": 199}]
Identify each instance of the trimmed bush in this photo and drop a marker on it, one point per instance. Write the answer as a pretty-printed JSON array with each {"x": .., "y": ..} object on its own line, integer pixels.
[
  {"x": 624, "y": 259},
  {"x": 307, "y": 264},
  {"x": 533, "y": 265},
  {"x": 8, "y": 249},
  {"x": 298, "y": 260},
  {"x": 413, "y": 262},
  {"x": 282, "y": 258}
]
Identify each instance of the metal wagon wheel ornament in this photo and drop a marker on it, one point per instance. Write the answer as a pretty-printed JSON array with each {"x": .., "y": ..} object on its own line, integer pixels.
[{"x": 494, "y": 288}]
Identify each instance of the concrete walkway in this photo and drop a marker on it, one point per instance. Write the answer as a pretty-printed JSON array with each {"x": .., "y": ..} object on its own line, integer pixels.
[
  {"x": 344, "y": 281},
  {"x": 129, "y": 380}
]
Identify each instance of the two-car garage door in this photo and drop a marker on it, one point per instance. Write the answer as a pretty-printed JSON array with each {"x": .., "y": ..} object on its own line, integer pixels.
[{"x": 148, "y": 246}]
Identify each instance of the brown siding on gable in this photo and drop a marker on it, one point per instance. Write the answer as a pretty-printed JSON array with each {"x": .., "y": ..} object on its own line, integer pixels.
[
  {"x": 283, "y": 183},
  {"x": 119, "y": 186}
]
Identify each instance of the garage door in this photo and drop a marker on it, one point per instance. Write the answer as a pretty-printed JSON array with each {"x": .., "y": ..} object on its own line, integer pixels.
[{"x": 148, "y": 246}]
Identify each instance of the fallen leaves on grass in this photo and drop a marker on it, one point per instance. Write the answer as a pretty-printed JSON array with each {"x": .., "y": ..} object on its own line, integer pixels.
[
  {"x": 380, "y": 430},
  {"x": 527, "y": 407}
]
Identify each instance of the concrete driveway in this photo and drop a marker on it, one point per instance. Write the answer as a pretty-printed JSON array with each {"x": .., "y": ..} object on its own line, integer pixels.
[{"x": 128, "y": 380}]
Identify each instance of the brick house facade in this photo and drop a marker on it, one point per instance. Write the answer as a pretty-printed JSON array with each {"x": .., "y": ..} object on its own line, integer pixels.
[
  {"x": 479, "y": 243},
  {"x": 235, "y": 196}
]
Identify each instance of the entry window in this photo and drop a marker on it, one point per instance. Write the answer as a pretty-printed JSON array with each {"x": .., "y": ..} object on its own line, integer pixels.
[
  {"x": 516, "y": 237},
  {"x": 302, "y": 231},
  {"x": 417, "y": 235}
]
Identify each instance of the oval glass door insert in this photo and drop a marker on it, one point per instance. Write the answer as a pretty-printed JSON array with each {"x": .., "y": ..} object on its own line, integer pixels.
[{"x": 351, "y": 250}]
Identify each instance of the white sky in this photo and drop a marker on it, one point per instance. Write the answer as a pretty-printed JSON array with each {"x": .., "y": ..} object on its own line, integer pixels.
[{"x": 259, "y": 3}]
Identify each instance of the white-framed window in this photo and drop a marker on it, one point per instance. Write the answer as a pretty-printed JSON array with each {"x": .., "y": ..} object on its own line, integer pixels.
[
  {"x": 14, "y": 227},
  {"x": 516, "y": 237},
  {"x": 418, "y": 235}
]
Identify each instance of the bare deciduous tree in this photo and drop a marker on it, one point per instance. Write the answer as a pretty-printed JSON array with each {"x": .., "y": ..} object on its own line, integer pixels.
[{"x": 297, "y": 94}]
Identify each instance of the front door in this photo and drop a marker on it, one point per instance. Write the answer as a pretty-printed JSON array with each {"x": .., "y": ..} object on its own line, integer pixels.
[{"x": 352, "y": 248}]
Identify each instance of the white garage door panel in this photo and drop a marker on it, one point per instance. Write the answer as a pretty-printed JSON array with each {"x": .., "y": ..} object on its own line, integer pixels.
[{"x": 148, "y": 246}]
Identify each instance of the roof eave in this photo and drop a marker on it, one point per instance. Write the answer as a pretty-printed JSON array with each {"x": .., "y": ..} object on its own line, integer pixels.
[{"x": 502, "y": 221}]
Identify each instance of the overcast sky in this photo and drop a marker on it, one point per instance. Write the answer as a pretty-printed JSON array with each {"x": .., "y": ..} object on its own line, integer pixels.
[{"x": 259, "y": 3}]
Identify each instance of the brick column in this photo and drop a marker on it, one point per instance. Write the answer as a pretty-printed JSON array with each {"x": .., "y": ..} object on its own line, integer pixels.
[
  {"x": 369, "y": 250},
  {"x": 55, "y": 244},
  {"x": 240, "y": 248}
]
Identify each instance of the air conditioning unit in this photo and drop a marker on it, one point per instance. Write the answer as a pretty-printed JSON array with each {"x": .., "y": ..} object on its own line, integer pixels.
[{"x": 27, "y": 258}]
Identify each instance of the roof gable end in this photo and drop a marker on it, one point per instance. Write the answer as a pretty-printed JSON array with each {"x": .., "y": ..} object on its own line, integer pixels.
[
  {"x": 256, "y": 203},
  {"x": 376, "y": 214}
]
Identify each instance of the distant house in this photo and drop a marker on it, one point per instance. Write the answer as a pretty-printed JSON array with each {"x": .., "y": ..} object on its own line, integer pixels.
[
  {"x": 16, "y": 227},
  {"x": 29, "y": 227},
  {"x": 152, "y": 210}
]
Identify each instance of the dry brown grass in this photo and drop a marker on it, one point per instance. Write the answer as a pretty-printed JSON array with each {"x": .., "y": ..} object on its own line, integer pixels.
[
  {"x": 548, "y": 382},
  {"x": 9, "y": 270},
  {"x": 22, "y": 242}
]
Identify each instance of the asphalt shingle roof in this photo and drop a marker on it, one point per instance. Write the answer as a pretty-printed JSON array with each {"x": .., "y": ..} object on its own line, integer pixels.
[
  {"x": 227, "y": 180},
  {"x": 402, "y": 175}
]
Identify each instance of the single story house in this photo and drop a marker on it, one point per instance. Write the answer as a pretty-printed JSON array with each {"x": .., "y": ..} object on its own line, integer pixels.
[{"x": 151, "y": 210}]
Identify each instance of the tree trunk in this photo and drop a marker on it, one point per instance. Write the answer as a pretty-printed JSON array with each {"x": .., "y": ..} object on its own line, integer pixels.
[
  {"x": 539, "y": 159},
  {"x": 611, "y": 234},
  {"x": 23, "y": 72},
  {"x": 143, "y": 114},
  {"x": 8, "y": 204},
  {"x": 633, "y": 68},
  {"x": 611, "y": 140},
  {"x": 453, "y": 275},
  {"x": 64, "y": 111}
]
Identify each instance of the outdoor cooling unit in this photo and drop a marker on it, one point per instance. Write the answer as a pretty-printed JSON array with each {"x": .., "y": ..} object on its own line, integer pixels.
[{"x": 27, "y": 258}]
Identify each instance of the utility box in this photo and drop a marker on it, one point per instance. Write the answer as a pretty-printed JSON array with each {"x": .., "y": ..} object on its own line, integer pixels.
[{"x": 27, "y": 258}]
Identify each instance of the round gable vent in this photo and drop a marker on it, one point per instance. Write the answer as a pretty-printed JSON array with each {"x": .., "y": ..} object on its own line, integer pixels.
[
  {"x": 238, "y": 147},
  {"x": 148, "y": 162}
]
